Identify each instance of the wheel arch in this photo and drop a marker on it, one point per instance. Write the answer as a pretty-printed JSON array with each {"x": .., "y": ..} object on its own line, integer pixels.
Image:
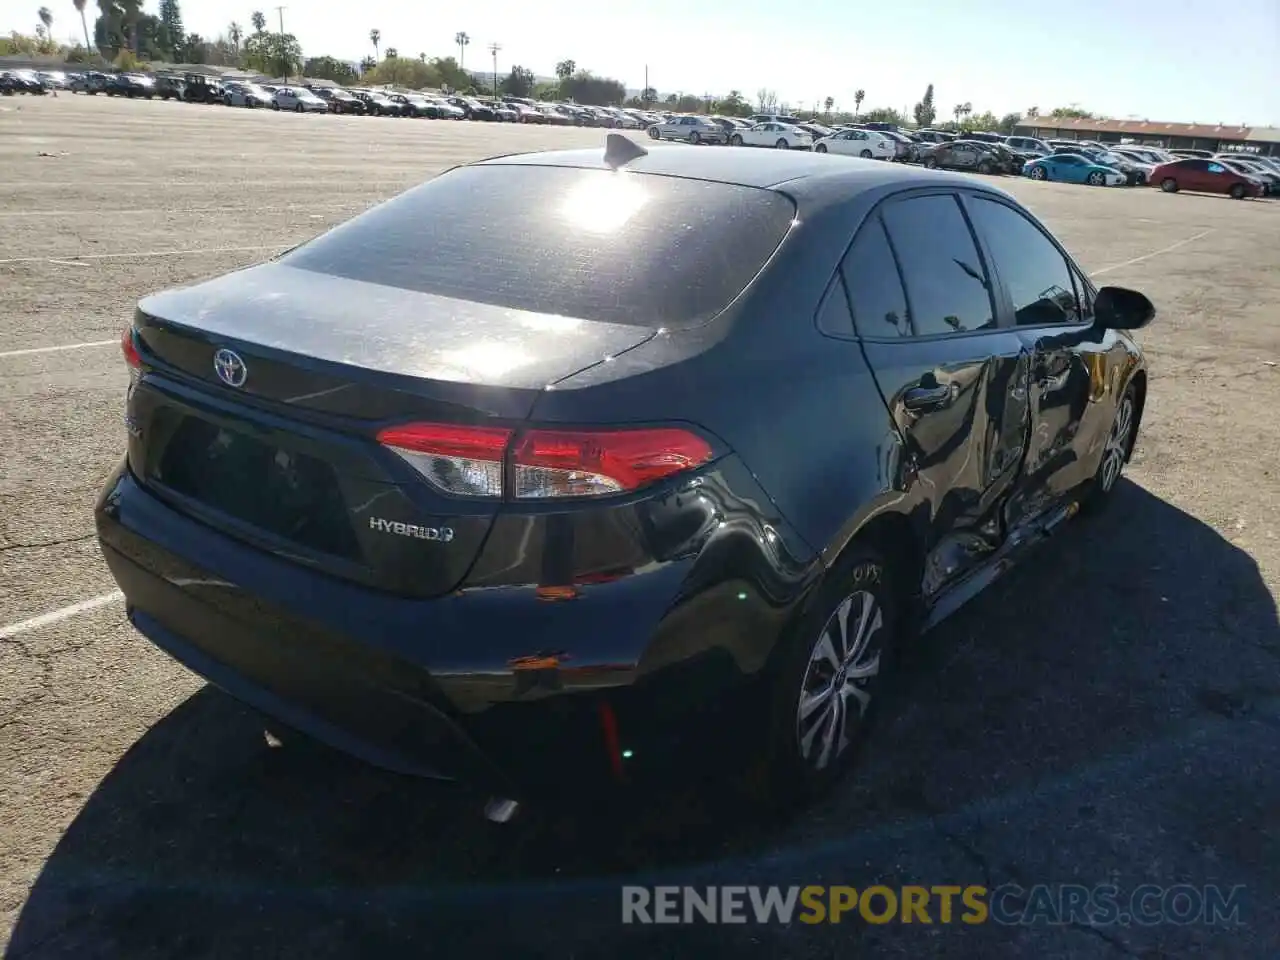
[{"x": 1139, "y": 383}]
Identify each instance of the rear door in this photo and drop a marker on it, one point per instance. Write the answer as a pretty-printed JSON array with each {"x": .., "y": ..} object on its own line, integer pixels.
[{"x": 955, "y": 382}]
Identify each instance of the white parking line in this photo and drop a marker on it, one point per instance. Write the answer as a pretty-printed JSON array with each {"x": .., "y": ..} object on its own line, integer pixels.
[
  {"x": 53, "y": 616},
  {"x": 66, "y": 346},
  {"x": 1153, "y": 253},
  {"x": 148, "y": 253}
]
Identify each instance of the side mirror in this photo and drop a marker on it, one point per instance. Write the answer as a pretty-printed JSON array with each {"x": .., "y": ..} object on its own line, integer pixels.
[{"x": 1118, "y": 308}]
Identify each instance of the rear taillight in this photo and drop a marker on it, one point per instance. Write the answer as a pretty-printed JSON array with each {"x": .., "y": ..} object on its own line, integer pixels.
[
  {"x": 585, "y": 463},
  {"x": 466, "y": 461},
  {"x": 544, "y": 464},
  {"x": 129, "y": 347}
]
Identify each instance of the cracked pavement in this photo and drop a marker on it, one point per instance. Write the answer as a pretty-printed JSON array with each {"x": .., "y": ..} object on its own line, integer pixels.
[{"x": 1106, "y": 714}]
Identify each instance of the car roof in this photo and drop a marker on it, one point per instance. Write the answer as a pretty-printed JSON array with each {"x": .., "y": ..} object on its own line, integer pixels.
[{"x": 816, "y": 177}]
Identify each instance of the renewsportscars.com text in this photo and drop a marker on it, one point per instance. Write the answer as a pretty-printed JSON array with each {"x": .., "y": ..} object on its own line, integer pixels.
[{"x": 1009, "y": 904}]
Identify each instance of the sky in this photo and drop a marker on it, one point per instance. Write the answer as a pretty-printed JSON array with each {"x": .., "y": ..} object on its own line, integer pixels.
[{"x": 1173, "y": 60}]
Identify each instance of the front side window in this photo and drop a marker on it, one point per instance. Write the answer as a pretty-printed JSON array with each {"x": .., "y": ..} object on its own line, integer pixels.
[
  {"x": 1034, "y": 271},
  {"x": 947, "y": 287}
]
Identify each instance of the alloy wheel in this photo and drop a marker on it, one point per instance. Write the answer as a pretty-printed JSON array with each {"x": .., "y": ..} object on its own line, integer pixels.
[
  {"x": 1117, "y": 448},
  {"x": 841, "y": 667}
]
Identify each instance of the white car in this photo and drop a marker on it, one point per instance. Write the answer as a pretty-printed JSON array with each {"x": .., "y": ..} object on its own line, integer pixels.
[
  {"x": 867, "y": 144},
  {"x": 783, "y": 136},
  {"x": 298, "y": 100}
]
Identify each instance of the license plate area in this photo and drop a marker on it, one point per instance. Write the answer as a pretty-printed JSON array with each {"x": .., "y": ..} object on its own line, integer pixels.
[{"x": 288, "y": 494}]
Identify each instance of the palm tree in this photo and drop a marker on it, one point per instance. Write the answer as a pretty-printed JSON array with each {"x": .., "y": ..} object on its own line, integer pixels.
[
  {"x": 259, "y": 21},
  {"x": 422, "y": 57},
  {"x": 858, "y": 97},
  {"x": 829, "y": 103},
  {"x": 565, "y": 68},
  {"x": 967, "y": 109},
  {"x": 235, "y": 33},
  {"x": 84, "y": 24},
  {"x": 46, "y": 17},
  {"x": 375, "y": 36},
  {"x": 393, "y": 53},
  {"x": 957, "y": 110},
  {"x": 461, "y": 39},
  {"x": 132, "y": 10}
]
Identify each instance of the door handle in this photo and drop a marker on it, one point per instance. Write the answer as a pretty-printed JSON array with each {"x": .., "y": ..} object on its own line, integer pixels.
[{"x": 919, "y": 399}]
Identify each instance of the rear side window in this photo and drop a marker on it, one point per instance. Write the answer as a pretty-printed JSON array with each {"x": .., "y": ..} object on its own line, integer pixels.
[
  {"x": 591, "y": 244},
  {"x": 875, "y": 289},
  {"x": 947, "y": 287},
  {"x": 1033, "y": 270}
]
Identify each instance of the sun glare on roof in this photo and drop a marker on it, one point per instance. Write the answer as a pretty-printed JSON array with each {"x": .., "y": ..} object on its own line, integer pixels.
[{"x": 603, "y": 204}]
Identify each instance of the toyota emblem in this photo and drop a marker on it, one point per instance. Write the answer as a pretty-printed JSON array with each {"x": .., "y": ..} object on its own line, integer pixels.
[{"x": 230, "y": 369}]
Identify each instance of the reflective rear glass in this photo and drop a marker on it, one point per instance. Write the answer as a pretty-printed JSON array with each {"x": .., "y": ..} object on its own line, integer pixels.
[{"x": 618, "y": 247}]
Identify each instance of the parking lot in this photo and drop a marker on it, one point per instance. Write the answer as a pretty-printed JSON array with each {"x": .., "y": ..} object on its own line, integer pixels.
[{"x": 1106, "y": 714}]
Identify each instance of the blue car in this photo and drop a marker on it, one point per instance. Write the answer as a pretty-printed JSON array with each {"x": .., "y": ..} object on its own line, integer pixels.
[{"x": 1073, "y": 168}]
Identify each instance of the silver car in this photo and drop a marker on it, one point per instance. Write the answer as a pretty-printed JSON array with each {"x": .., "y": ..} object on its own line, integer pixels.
[
  {"x": 246, "y": 95},
  {"x": 691, "y": 129}
]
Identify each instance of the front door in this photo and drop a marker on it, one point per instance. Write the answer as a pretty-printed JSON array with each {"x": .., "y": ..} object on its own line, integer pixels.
[{"x": 1051, "y": 306}]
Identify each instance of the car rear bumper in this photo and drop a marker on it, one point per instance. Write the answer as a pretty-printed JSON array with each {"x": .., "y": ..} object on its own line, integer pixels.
[{"x": 473, "y": 686}]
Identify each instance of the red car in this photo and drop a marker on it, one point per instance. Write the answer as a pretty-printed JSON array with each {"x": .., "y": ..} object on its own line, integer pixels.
[{"x": 1206, "y": 176}]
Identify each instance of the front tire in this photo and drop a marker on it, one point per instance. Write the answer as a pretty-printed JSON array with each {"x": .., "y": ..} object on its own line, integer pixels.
[
  {"x": 736, "y": 140},
  {"x": 782, "y": 144},
  {"x": 1039, "y": 173},
  {"x": 865, "y": 154},
  {"x": 826, "y": 677},
  {"x": 695, "y": 137},
  {"x": 820, "y": 148},
  {"x": 1116, "y": 452},
  {"x": 1097, "y": 179},
  {"x": 653, "y": 133},
  {"x": 930, "y": 164},
  {"x": 1237, "y": 191},
  {"x": 1169, "y": 185}
]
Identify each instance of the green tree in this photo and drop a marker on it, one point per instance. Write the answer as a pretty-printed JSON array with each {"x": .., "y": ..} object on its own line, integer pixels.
[
  {"x": 1071, "y": 113},
  {"x": 566, "y": 69},
  {"x": 450, "y": 73},
  {"x": 518, "y": 83},
  {"x": 407, "y": 72},
  {"x": 1008, "y": 123},
  {"x": 84, "y": 25},
  {"x": 273, "y": 54},
  {"x": 172, "y": 34},
  {"x": 884, "y": 115},
  {"x": 368, "y": 64},
  {"x": 329, "y": 68},
  {"x": 986, "y": 121},
  {"x": 648, "y": 95},
  {"x": 375, "y": 37},
  {"x": 924, "y": 111},
  {"x": 259, "y": 21},
  {"x": 828, "y": 104},
  {"x": 858, "y": 96},
  {"x": 688, "y": 103},
  {"x": 585, "y": 87},
  {"x": 194, "y": 49},
  {"x": 734, "y": 105}
]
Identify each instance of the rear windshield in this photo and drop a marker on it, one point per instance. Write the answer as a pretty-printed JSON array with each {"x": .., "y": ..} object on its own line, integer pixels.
[{"x": 618, "y": 247}]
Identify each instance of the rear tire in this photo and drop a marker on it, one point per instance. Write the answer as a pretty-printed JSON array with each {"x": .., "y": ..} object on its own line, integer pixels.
[
  {"x": 298, "y": 109},
  {"x": 984, "y": 167},
  {"x": 1169, "y": 185},
  {"x": 929, "y": 163},
  {"x": 736, "y": 140},
  {"x": 1039, "y": 173},
  {"x": 825, "y": 679},
  {"x": 695, "y": 137}
]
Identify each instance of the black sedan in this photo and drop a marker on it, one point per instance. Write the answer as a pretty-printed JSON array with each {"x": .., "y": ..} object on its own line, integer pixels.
[
  {"x": 466, "y": 516},
  {"x": 377, "y": 104},
  {"x": 21, "y": 81}
]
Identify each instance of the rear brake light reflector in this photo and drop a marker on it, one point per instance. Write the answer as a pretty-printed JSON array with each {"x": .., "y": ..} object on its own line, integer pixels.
[
  {"x": 466, "y": 461},
  {"x": 129, "y": 347},
  {"x": 583, "y": 463}
]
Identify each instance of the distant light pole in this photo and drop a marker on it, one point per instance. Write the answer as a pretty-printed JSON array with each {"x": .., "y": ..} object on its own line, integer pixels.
[
  {"x": 493, "y": 49},
  {"x": 284, "y": 57}
]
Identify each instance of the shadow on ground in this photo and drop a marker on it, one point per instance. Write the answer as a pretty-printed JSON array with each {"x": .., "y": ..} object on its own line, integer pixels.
[{"x": 1107, "y": 713}]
